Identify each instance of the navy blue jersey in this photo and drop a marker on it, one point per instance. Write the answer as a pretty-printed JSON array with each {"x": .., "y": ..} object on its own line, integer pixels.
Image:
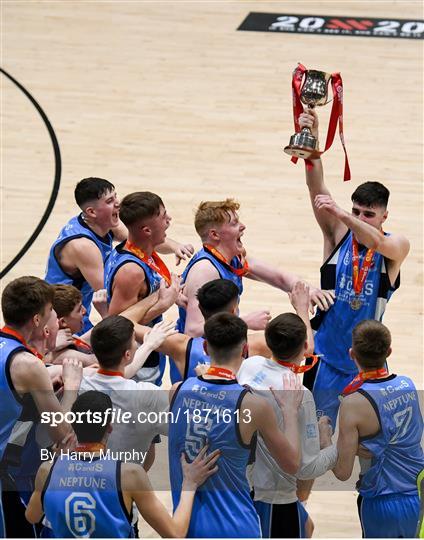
[
  {"x": 333, "y": 337},
  {"x": 207, "y": 411},
  {"x": 76, "y": 228},
  {"x": 398, "y": 456},
  {"x": 10, "y": 402},
  {"x": 83, "y": 499}
]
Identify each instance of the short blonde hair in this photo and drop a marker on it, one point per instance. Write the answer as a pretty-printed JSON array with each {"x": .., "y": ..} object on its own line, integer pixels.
[{"x": 212, "y": 213}]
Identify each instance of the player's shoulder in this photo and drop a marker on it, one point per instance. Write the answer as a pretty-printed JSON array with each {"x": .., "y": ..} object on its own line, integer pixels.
[
  {"x": 202, "y": 268},
  {"x": 82, "y": 245}
]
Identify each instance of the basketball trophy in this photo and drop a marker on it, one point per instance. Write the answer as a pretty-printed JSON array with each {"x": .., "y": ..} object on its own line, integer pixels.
[{"x": 310, "y": 87}]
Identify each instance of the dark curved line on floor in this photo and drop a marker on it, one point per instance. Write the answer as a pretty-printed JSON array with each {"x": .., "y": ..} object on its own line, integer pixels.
[{"x": 56, "y": 183}]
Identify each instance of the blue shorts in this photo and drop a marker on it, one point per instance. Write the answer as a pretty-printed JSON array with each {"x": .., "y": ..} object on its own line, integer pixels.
[
  {"x": 326, "y": 384},
  {"x": 389, "y": 516},
  {"x": 282, "y": 520}
]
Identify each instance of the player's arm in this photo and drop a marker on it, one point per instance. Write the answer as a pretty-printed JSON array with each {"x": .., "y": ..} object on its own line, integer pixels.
[
  {"x": 257, "y": 345},
  {"x": 347, "y": 443},
  {"x": 283, "y": 446},
  {"x": 332, "y": 229},
  {"x": 87, "y": 257},
  {"x": 181, "y": 251},
  {"x": 29, "y": 375},
  {"x": 281, "y": 279},
  {"x": 202, "y": 272},
  {"x": 136, "y": 484},
  {"x": 128, "y": 284},
  {"x": 299, "y": 298},
  {"x": 120, "y": 232},
  {"x": 34, "y": 511},
  {"x": 394, "y": 247},
  {"x": 174, "y": 345}
]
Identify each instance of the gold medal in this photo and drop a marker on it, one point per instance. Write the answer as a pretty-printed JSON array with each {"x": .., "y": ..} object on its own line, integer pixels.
[{"x": 355, "y": 303}]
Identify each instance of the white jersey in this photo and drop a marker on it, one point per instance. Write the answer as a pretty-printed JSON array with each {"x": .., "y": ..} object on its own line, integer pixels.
[
  {"x": 138, "y": 398},
  {"x": 270, "y": 483}
]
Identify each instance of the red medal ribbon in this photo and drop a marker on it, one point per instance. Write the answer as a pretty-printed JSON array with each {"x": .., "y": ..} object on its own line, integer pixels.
[
  {"x": 90, "y": 447},
  {"x": 221, "y": 372},
  {"x": 218, "y": 255},
  {"x": 363, "y": 376},
  {"x": 81, "y": 344},
  {"x": 359, "y": 276},
  {"x": 110, "y": 373},
  {"x": 7, "y": 330},
  {"x": 154, "y": 262},
  {"x": 336, "y": 115},
  {"x": 296, "y": 368}
]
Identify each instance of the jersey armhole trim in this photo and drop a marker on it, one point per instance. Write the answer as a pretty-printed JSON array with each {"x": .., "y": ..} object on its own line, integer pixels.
[
  {"x": 175, "y": 395},
  {"x": 377, "y": 412},
  {"x": 335, "y": 249},
  {"x": 119, "y": 490},
  {"x": 47, "y": 482},
  {"x": 187, "y": 358},
  {"x": 8, "y": 363},
  {"x": 237, "y": 423}
]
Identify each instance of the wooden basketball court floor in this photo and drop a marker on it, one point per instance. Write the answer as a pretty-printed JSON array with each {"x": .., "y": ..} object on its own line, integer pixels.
[{"x": 169, "y": 97}]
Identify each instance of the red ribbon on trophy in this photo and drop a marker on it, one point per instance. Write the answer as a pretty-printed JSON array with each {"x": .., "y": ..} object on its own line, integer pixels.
[{"x": 297, "y": 146}]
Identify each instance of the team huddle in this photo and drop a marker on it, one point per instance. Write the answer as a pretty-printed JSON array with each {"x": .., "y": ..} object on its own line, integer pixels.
[{"x": 246, "y": 437}]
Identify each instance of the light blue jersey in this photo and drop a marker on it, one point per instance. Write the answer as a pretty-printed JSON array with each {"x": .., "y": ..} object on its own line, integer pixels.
[
  {"x": 207, "y": 411},
  {"x": 224, "y": 273},
  {"x": 333, "y": 336},
  {"x": 398, "y": 456},
  {"x": 388, "y": 503},
  {"x": 195, "y": 355},
  {"x": 118, "y": 258},
  {"x": 10, "y": 403},
  {"x": 83, "y": 499},
  {"x": 76, "y": 228}
]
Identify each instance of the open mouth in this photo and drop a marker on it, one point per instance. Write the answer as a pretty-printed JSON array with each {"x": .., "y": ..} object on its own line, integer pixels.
[{"x": 239, "y": 241}]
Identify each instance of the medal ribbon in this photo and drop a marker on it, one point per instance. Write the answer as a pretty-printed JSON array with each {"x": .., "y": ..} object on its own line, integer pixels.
[
  {"x": 218, "y": 255},
  {"x": 221, "y": 372},
  {"x": 154, "y": 262},
  {"x": 359, "y": 276},
  {"x": 363, "y": 376},
  {"x": 296, "y": 368},
  {"x": 90, "y": 447},
  {"x": 110, "y": 373},
  {"x": 7, "y": 330},
  {"x": 336, "y": 115}
]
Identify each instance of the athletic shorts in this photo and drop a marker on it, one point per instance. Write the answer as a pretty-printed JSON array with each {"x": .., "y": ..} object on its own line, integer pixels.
[
  {"x": 389, "y": 516},
  {"x": 282, "y": 520},
  {"x": 326, "y": 384}
]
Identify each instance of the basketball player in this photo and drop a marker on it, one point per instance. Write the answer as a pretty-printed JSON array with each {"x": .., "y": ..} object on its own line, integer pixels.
[
  {"x": 381, "y": 413},
  {"x": 217, "y": 409},
  {"x": 222, "y": 256},
  {"x": 77, "y": 256},
  {"x": 26, "y": 307},
  {"x": 134, "y": 270},
  {"x": 275, "y": 491},
  {"x": 91, "y": 495},
  {"x": 113, "y": 343},
  {"x": 361, "y": 264}
]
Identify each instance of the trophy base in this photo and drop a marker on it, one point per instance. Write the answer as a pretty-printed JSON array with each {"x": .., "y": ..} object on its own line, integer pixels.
[
  {"x": 303, "y": 152},
  {"x": 303, "y": 145}
]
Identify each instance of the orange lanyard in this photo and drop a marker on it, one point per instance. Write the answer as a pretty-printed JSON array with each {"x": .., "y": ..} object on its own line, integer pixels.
[
  {"x": 296, "y": 368},
  {"x": 110, "y": 373},
  {"x": 218, "y": 255},
  {"x": 221, "y": 372},
  {"x": 90, "y": 447},
  {"x": 82, "y": 344},
  {"x": 359, "y": 275},
  {"x": 154, "y": 262},
  {"x": 363, "y": 376},
  {"x": 20, "y": 337}
]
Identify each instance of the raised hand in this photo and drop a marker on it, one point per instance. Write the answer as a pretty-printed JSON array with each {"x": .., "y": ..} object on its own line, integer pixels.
[
  {"x": 157, "y": 335},
  {"x": 257, "y": 320},
  {"x": 324, "y": 299},
  {"x": 183, "y": 252},
  {"x": 290, "y": 397},
  {"x": 299, "y": 297}
]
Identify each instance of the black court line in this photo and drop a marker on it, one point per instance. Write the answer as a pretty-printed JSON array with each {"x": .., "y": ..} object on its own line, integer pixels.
[{"x": 56, "y": 181}]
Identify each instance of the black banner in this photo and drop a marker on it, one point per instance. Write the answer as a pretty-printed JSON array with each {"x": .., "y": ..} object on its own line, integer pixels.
[{"x": 333, "y": 25}]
